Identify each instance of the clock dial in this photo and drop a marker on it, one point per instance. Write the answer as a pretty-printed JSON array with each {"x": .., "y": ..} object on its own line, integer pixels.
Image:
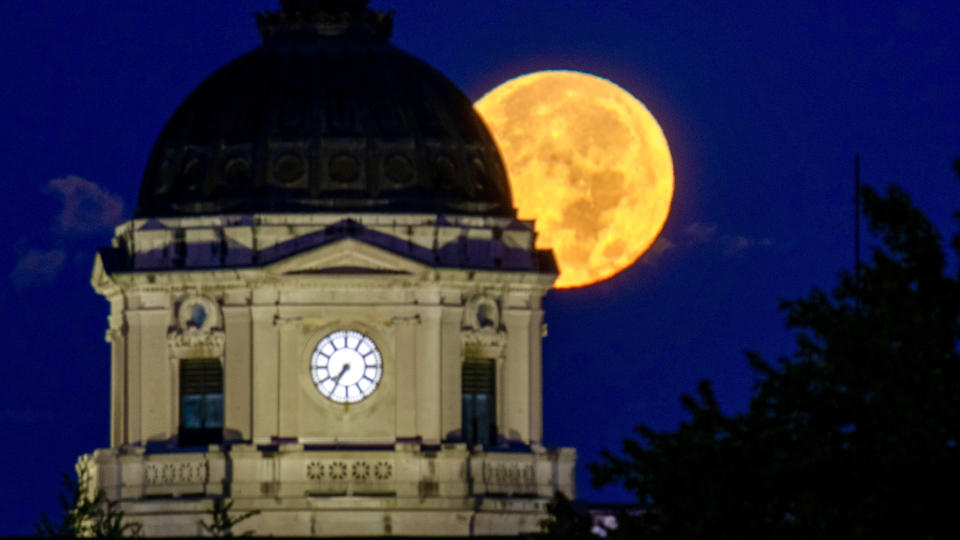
[{"x": 346, "y": 366}]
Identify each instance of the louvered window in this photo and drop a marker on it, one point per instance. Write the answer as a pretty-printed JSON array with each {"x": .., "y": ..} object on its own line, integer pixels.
[
  {"x": 201, "y": 402},
  {"x": 478, "y": 384}
]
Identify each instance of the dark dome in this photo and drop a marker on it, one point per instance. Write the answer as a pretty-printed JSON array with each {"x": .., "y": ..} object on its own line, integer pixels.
[{"x": 325, "y": 115}]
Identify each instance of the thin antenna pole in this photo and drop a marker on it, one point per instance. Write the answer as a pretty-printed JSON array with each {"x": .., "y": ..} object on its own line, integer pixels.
[{"x": 856, "y": 229}]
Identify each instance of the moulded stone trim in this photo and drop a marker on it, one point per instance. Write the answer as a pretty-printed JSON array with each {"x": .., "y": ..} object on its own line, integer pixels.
[
  {"x": 490, "y": 308},
  {"x": 213, "y": 318},
  {"x": 196, "y": 344},
  {"x": 347, "y": 256}
]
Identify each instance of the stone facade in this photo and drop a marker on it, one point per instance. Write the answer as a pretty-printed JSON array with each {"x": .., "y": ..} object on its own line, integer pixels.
[{"x": 430, "y": 290}]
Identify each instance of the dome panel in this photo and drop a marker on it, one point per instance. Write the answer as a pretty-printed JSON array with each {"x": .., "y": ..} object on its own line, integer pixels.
[{"x": 325, "y": 115}]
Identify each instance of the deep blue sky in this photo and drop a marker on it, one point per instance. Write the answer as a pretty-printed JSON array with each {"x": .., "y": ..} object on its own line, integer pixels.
[{"x": 764, "y": 104}]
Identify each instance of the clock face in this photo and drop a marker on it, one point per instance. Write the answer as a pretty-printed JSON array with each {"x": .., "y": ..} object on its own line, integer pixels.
[{"x": 346, "y": 366}]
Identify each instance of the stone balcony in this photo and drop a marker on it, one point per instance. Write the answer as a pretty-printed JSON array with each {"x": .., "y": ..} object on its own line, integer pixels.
[
  {"x": 407, "y": 490},
  {"x": 292, "y": 477}
]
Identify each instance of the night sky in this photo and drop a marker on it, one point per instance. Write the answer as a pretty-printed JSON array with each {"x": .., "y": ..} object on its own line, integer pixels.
[{"x": 765, "y": 105}]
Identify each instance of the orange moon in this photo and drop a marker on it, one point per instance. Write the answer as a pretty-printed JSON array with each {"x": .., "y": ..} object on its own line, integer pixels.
[{"x": 588, "y": 162}]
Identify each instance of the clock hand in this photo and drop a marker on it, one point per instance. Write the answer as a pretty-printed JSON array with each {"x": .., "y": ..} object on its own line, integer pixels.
[{"x": 343, "y": 371}]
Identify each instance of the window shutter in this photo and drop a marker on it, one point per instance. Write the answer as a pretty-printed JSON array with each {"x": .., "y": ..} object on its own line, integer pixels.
[
  {"x": 201, "y": 376},
  {"x": 478, "y": 376}
]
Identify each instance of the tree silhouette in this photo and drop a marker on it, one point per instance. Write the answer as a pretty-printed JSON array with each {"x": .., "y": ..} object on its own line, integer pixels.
[
  {"x": 222, "y": 523},
  {"x": 855, "y": 435},
  {"x": 564, "y": 521},
  {"x": 84, "y": 516}
]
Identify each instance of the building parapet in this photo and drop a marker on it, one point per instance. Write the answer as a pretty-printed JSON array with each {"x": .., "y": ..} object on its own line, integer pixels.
[{"x": 287, "y": 471}]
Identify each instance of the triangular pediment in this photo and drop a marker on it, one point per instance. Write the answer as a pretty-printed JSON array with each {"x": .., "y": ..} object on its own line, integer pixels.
[{"x": 347, "y": 257}]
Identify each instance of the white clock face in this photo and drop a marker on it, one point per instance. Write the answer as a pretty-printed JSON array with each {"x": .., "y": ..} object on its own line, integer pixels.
[{"x": 346, "y": 366}]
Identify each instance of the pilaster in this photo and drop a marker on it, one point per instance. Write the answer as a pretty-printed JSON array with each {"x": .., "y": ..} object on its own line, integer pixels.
[
  {"x": 266, "y": 348},
  {"x": 118, "y": 403},
  {"x": 132, "y": 382},
  {"x": 406, "y": 376},
  {"x": 238, "y": 372},
  {"x": 515, "y": 381},
  {"x": 536, "y": 375},
  {"x": 428, "y": 375},
  {"x": 156, "y": 375},
  {"x": 292, "y": 368},
  {"x": 451, "y": 366}
]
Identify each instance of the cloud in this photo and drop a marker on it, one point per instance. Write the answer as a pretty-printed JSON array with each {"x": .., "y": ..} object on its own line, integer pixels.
[
  {"x": 698, "y": 234},
  {"x": 25, "y": 417},
  {"x": 737, "y": 244},
  {"x": 659, "y": 247},
  {"x": 38, "y": 267},
  {"x": 87, "y": 208}
]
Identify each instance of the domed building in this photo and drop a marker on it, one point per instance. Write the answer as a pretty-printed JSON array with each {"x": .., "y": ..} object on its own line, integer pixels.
[{"x": 325, "y": 308}]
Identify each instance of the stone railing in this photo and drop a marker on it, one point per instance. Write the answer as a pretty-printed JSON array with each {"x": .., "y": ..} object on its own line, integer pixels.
[
  {"x": 134, "y": 474},
  {"x": 291, "y": 470}
]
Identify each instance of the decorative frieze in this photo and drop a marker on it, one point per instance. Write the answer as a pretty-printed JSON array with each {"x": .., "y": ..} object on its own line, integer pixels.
[
  {"x": 360, "y": 470},
  {"x": 356, "y": 471},
  {"x": 315, "y": 470},
  {"x": 196, "y": 344},
  {"x": 338, "y": 470},
  {"x": 190, "y": 472},
  {"x": 484, "y": 338},
  {"x": 383, "y": 470},
  {"x": 510, "y": 474}
]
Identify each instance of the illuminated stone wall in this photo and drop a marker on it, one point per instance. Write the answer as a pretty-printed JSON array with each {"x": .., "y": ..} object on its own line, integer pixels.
[{"x": 429, "y": 291}]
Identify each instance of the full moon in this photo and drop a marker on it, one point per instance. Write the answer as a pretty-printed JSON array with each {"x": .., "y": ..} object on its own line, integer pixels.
[{"x": 588, "y": 162}]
